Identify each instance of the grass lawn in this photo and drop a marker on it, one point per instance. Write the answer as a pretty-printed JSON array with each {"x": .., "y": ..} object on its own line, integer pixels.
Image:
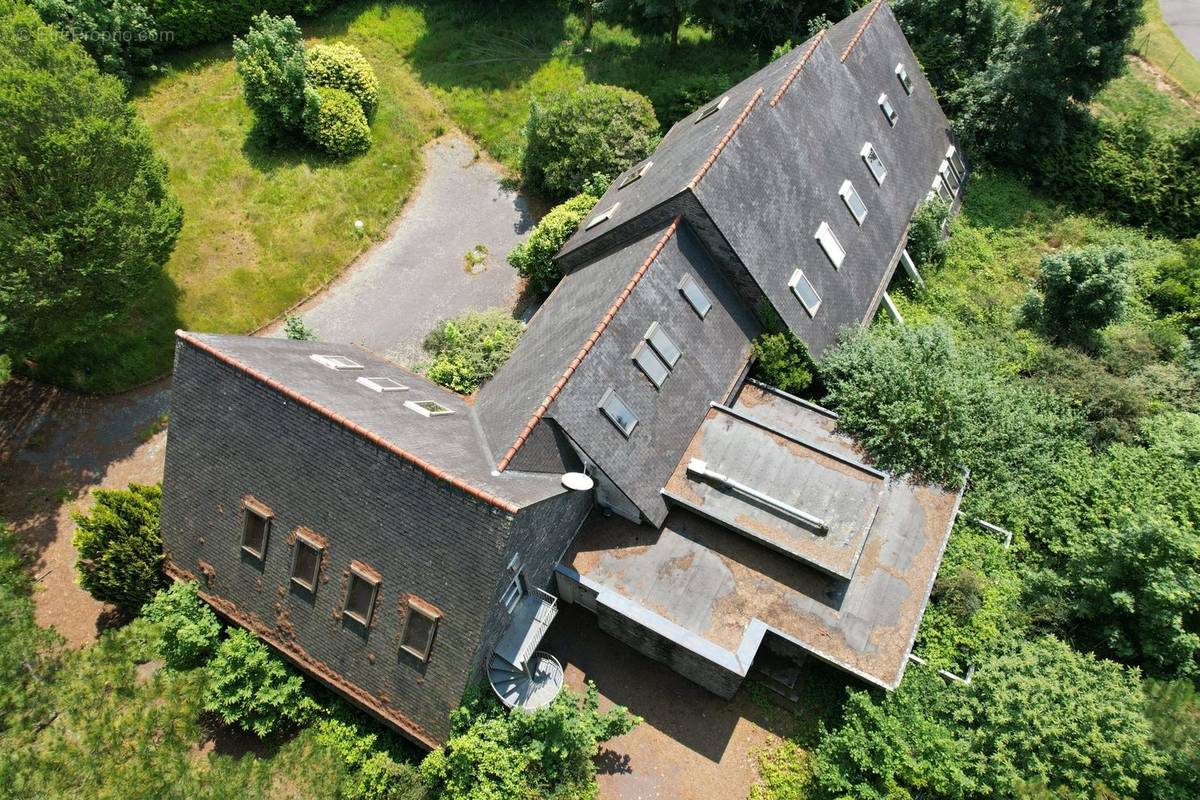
[
  {"x": 1158, "y": 45},
  {"x": 1137, "y": 94}
]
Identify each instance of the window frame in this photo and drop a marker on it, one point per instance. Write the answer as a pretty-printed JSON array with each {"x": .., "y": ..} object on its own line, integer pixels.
[
  {"x": 635, "y": 175},
  {"x": 663, "y": 344},
  {"x": 947, "y": 174},
  {"x": 603, "y": 216},
  {"x": 688, "y": 282},
  {"x": 611, "y": 394},
  {"x": 847, "y": 191},
  {"x": 868, "y": 154},
  {"x": 889, "y": 110},
  {"x": 826, "y": 238},
  {"x": 939, "y": 186},
  {"x": 522, "y": 589},
  {"x": 336, "y": 362},
  {"x": 798, "y": 276},
  {"x": 256, "y": 509},
  {"x": 416, "y": 606},
  {"x": 415, "y": 405},
  {"x": 648, "y": 361},
  {"x": 381, "y": 383},
  {"x": 904, "y": 78},
  {"x": 956, "y": 161},
  {"x": 364, "y": 574},
  {"x": 707, "y": 111},
  {"x": 304, "y": 540}
]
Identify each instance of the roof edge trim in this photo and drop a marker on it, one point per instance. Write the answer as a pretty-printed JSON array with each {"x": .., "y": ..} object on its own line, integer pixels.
[
  {"x": 737, "y": 123},
  {"x": 795, "y": 73},
  {"x": 375, "y": 439},
  {"x": 861, "y": 30},
  {"x": 557, "y": 388}
]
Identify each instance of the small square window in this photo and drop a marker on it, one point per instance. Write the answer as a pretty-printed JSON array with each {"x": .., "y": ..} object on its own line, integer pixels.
[
  {"x": 955, "y": 159},
  {"x": 905, "y": 81},
  {"x": 695, "y": 295},
  {"x": 256, "y": 527},
  {"x": 949, "y": 177},
  {"x": 853, "y": 202},
  {"x": 805, "y": 293},
  {"x": 650, "y": 364},
  {"x": 878, "y": 170},
  {"x": 420, "y": 625},
  {"x": 427, "y": 408},
  {"x": 885, "y": 105},
  {"x": 383, "y": 384},
  {"x": 618, "y": 413},
  {"x": 635, "y": 174},
  {"x": 306, "y": 562},
  {"x": 360, "y": 596},
  {"x": 663, "y": 345},
  {"x": 709, "y": 110},
  {"x": 604, "y": 216},
  {"x": 337, "y": 362},
  {"x": 830, "y": 244}
]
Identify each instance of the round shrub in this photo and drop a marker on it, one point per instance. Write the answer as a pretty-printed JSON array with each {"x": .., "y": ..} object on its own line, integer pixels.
[
  {"x": 533, "y": 259},
  {"x": 572, "y": 135},
  {"x": 252, "y": 688},
  {"x": 342, "y": 66},
  {"x": 120, "y": 547},
  {"x": 470, "y": 348},
  {"x": 190, "y": 629},
  {"x": 1078, "y": 292},
  {"x": 335, "y": 122},
  {"x": 270, "y": 61}
]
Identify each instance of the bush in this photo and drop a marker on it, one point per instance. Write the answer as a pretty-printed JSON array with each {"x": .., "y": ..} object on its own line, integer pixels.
[
  {"x": 470, "y": 348},
  {"x": 121, "y": 35},
  {"x": 252, "y": 688},
  {"x": 295, "y": 329},
  {"x": 926, "y": 244},
  {"x": 335, "y": 122},
  {"x": 270, "y": 60},
  {"x": 783, "y": 362},
  {"x": 1078, "y": 292},
  {"x": 120, "y": 546},
  {"x": 1175, "y": 290},
  {"x": 190, "y": 629},
  {"x": 192, "y": 22},
  {"x": 343, "y": 66},
  {"x": 533, "y": 259},
  {"x": 1112, "y": 406},
  {"x": 574, "y": 134},
  {"x": 373, "y": 769}
]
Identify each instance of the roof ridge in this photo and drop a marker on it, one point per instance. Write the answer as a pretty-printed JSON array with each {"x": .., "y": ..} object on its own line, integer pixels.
[
  {"x": 861, "y": 30},
  {"x": 374, "y": 438},
  {"x": 737, "y": 123},
  {"x": 820, "y": 37},
  {"x": 557, "y": 388}
]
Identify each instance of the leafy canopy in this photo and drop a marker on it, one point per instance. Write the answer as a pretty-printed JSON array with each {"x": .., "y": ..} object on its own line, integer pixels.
[
  {"x": 533, "y": 259},
  {"x": 190, "y": 629},
  {"x": 120, "y": 546},
  {"x": 252, "y": 688},
  {"x": 1078, "y": 292},
  {"x": 470, "y": 348},
  {"x": 270, "y": 61}
]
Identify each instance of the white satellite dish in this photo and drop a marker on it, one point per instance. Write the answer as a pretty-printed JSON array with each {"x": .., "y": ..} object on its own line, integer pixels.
[{"x": 578, "y": 482}]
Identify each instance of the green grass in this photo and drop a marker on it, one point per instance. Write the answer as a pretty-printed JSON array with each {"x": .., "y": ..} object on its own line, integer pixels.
[
  {"x": 1136, "y": 95},
  {"x": 1156, "y": 43}
]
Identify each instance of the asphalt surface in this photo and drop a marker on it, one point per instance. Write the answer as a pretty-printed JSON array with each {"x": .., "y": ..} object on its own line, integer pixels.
[
  {"x": 1183, "y": 17},
  {"x": 399, "y": 290}
]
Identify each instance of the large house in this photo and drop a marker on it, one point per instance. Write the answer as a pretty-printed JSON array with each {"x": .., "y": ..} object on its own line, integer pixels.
[{"x": 397, "y": 541}]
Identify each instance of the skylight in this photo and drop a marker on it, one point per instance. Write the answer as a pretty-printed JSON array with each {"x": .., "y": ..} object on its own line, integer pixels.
[
  {"x": 830, "y": 244},
  {"x": 885, "y": 105},
  {"x": 878, "y": 170},
  {"x": 603, "y": 216},
  {"x": 695, "y": 295},
  {"x": 942, "y": 189},
  {"x": 949, "y": 177},
  {"x": 708, "y": 111},
  {"x": 955, "y": 159},
  {"x": 427, "y": 408},
  {"x": 905, "y": 81},
  {"x": 805, "y": 293},
  {"x": 618, "y": 413},
  {"x": 663, "y": 345},
  {"x": 381, "y": 384},
  {"x": 635, "y": 174},
  {"x": 651, "y": 364},
  {"x": 336, "y": 362},
  {"x": 853, "y": 202}
]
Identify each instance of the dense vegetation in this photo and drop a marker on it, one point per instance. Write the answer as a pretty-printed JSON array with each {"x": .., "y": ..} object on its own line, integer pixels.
[
  {"x": 533, "y": 259},
  {"x": 120, "y": 547},
  {"x": 470, "y": 348}
]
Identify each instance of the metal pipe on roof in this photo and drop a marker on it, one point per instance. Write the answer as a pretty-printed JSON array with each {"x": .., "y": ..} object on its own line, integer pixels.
[{"x": 700, "y": 468}]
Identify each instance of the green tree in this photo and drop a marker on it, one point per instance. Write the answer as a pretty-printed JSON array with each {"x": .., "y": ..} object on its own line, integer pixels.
[
  {"x": 533, "y": 259},
  {"x": 86, "y": 219},
  {"x": 270, "y": 60},
  {"x": 1078, "y": 292},
  {"x": 782, "y": 361},
  {"x": 764, "y": 24},
  {"x": 470, "y": 348},
  {"x": 120, "y": 34},
  {"x": 252, "y": 688},
  {"x": 573, "y": 135},
  {"x": 190, "y": 629},
  {"x": 926, "y": 244},
  {"x": 1174, "y": 712},
  {"x": 659, "y": 17},
  {"x": 953, "y": 39},
  {"x": 120, "y": 546}
]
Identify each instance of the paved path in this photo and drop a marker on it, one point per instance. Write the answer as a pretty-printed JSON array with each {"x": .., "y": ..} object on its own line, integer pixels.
[
  {"x": 1183, "y": 17},
  {"x": 400, "y": 289}
]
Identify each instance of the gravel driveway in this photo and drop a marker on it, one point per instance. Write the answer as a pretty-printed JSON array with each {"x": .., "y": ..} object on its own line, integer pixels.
[{"x": 397, "y": 291}]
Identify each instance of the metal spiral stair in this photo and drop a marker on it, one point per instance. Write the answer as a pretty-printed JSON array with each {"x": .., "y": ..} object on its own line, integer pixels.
[{"x": 521, "y": 675}]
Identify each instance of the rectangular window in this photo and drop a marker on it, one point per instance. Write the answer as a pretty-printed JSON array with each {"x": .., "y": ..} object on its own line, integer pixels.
[
  {"x": 955, "y": 159},
  {"x": 618, "y": 413},
  {"x": 878, "y": 170},
  {"x": 942, "y": 189},
  {"x": 427, "y": 408},
  {"x": 650, "y": 364},
  {"x": 360, "y": 595},
  {"x": 885, "y": 105},
  {"x": 256, "y": 527},
  {"x": 420, "y": 624},
  {"x": 381, "y": 384},
  {"x": 709, "y": 110},
  {"x": 805, "y": 293},
  {"x": 853, "y": 202},
  {"x": 635, "y": 174},
  {"x": 663, "y": 345},
  {"x": 515, "y": 591},
  {"x": 695, "y": 295},
  {"x": 306, "y": 562},
  {"x": 337, "y": 362},
  {"x": 949, "y": 177},
  {"x": 830, "y": 244},
  {"x": 604, "y": 216},
  {"x": 905, "y": 81}
]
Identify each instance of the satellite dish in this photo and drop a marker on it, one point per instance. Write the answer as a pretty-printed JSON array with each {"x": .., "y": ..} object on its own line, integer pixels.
[{"x": 578, "y": 482}]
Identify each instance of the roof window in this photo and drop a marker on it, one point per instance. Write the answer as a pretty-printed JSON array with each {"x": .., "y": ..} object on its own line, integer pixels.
[
  {"x": 618, "y": 413},
  {"x": 942, "y": 189},
  {"x": 878, "y": 170},
  {"x": 805, "y": 292},
  {"x": 382, "y": 384},
  {"x": 427, "y": 408},
  {"x": 947, "y": 173},
  {"x": 905, "y": 81},
  {"x": 853, "y": 202},
  {"x": 603, "y": 216},
  {"x": 663, "y": 345},
  {"x": 955, "y": 159},
  {"x": 695, "y": 295},
  {"x": 885, "y": 105},
  {"x": 709, "y": 110},
  {"x": 635, "y": 174},
  {"x": 830, "y": 244},
  {"x": 649, "y": 363},
  {"x": 337, "y": 362}
]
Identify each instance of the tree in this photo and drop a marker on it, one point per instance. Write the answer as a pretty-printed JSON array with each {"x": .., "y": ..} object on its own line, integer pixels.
[
  {"x": 954, "y": 38},
  {"x": 573, "y": 135},
  {"x": 926, "y": 244},
  {"x": 783, "y": 362},
  {"x": 121, "y": 35},
  {"x": 1174, "y": 713},
  {"x": 86, "y": 218},
  {"x": 533, "y": 259},
  {"x": 250, "y": 687},
  {"x": 190, "y": 628},
  {"x": 120, "y": 546},
  {"x": 271, "y": 61},
  {"x": 1078, "y": 292},
  {"x": 764, "y": 24},
  {"x": 470, "y": 348},
  {"x": 652, "y": 16}
]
